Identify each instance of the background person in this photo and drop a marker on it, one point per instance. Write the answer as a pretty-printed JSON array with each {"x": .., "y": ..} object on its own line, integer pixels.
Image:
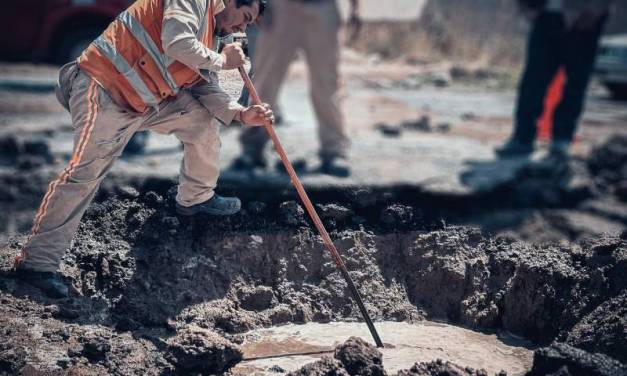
[{"x": 564, "y": 33}]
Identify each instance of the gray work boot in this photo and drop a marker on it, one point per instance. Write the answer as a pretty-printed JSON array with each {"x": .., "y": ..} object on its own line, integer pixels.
[
  {"x": 216, "y": 205},
  {"x": 48, "y": 282},
  {"x": 514, "y": 149}
]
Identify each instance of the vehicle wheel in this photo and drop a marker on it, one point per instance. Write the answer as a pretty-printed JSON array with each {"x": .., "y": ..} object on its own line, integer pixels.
[
  {"x": 74, "y": 43},
  {"x": 619, "y": 91}
]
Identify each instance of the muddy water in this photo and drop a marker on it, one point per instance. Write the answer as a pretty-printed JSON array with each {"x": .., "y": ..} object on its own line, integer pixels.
[{"x": 405, "y": 343}]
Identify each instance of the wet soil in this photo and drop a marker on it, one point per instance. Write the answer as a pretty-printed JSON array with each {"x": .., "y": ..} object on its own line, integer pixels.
[
  {"x": 158, "y": 293},
  {"x": 290, "y": 347}
]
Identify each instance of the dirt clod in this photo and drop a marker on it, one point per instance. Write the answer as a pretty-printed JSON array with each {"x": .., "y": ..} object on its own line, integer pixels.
[
  {"x": 291, "y": 213},
  {"x": 423, "y": 124},
  {"x": 440, "y": 367},
  {"x": 560, "y": 357},
  {"x": 603, "y": 330},
  {"x": 325, "y": 367},
  {"x": 128, "y": 192},
  {"x": 256, "y": 298},
  {"x": 24, "y": 154},
  {"x": 360, "y": 358},
  {"x": 257, "y": 207},
  {"x": 201, "y": 350},
  {"x": 334, "y": 211},
  {"x": 153, "y": 199},
  {"x": 397, "y": 216},
  {"x": 95, "y": 348}
]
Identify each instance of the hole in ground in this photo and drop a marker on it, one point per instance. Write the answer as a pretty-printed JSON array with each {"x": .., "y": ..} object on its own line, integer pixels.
[{"x": 183, "y": 291}]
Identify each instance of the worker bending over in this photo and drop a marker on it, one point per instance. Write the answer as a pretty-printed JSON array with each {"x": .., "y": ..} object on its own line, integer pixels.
[{"x": 154, "y": 68}]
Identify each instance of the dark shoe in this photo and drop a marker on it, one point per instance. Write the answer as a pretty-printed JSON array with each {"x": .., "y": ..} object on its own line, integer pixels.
[
  {"x": 247, "y": 162},
  {"x": 559, "y": 150},
  {"x": 48, "y": 282},
  {"x": 300, "y": 166},
  {"x": 216, "y": 205},
  {"x": 335, "y": 167},
  {"x": 514, "y": 149}
]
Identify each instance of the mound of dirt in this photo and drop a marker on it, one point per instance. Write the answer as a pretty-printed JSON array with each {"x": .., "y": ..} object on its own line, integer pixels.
[
  {"x": 564, "y": 360},
  {"x": 353, "y": 357},
  {"x": 603, "y": 330},
  {"x": 442, "y": 368},
  {"x": 24, "y": 154},
  {"x": 608, "y": 163},
  {"x": 169, "y": 294}
]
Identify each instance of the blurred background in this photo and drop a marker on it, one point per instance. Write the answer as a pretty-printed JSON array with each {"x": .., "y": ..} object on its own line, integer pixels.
[{"x": 429, "y": 90}]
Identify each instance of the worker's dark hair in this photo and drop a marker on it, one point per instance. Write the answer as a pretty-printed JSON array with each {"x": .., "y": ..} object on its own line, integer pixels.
[{"x": 263, "y": 4}]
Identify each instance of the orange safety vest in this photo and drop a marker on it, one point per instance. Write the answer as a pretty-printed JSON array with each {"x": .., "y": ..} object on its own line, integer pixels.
[{"x": 128, "y": 61}]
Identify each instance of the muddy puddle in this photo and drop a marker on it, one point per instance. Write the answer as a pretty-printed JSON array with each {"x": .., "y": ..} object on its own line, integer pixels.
[{"x": 290, "y": 347}]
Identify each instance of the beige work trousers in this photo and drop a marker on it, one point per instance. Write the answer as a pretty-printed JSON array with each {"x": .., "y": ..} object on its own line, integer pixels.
[
  {"x": 313, "y": 28},
  {"x": 102, "y": 129}
]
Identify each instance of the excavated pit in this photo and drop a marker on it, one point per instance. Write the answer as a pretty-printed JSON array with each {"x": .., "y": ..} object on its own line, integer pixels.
[
  {"x": 160, "y": 294},
  {"x": 156, "y": 293}
]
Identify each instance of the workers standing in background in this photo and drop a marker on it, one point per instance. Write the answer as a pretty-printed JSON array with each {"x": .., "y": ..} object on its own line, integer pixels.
[
  {"x": 313, "y": 27},
  {"x": 564, "y": 34}
]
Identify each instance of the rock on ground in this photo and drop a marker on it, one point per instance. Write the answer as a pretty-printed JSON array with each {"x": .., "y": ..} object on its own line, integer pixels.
[
  {"x": 603, "y": 330},
  {"x": 441, "y": 368},
  {"x": 201, "y": 350},
  {"x": 563, "y": 359},
  {"x": 324, "y": 367},
  {"x": 360, "y": 358}
]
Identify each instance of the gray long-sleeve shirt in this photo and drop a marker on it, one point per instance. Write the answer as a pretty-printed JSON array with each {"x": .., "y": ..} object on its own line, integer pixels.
[{"x": 182, "y": 21}]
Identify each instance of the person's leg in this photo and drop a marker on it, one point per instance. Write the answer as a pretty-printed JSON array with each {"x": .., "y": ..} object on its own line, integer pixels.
[
  {"x": 322, "y": 49},
  {"x": 102, "y": 130},
  {"x": 252, "y": 33},
  {"x": 543, "y": 61},
  {"x": 199, "y": 133},
  {"x": 580, "y": 54},
  {"x": 275, "y": 48}
]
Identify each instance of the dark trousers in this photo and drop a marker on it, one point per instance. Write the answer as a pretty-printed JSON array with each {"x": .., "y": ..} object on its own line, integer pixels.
[{"x": 551, "y": 46}]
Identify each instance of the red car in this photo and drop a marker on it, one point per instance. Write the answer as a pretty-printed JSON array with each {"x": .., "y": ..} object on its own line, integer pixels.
[{"x": 54, "y": 31}]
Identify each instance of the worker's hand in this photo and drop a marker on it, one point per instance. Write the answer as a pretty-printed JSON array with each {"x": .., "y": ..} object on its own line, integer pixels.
[
  {"x": 257, "y": 116},
  {"x": 233, "y": 56}
]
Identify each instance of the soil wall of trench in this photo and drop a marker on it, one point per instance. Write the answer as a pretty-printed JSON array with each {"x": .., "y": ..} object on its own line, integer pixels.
[
  {"x": 156, "y": 293},
  {"x": 162, "y": 294}
]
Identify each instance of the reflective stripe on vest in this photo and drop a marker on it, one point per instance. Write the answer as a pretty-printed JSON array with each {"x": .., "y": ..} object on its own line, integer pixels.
[
  {"x": 127, "y": 71},
  {"x": 149, "y": 45}
]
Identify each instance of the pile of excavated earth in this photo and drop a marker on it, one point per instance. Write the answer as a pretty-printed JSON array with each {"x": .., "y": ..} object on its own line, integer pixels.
[{"x": 156, "y": 293}]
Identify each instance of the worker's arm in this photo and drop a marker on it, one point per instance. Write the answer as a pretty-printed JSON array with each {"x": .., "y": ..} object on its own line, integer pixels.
[
  {"x": 182, "y": 20},
  {"x": 219, "y": 103}
]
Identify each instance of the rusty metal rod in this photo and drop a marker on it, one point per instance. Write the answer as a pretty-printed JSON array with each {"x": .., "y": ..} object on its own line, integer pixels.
[{"x": 312, "y": 211}]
